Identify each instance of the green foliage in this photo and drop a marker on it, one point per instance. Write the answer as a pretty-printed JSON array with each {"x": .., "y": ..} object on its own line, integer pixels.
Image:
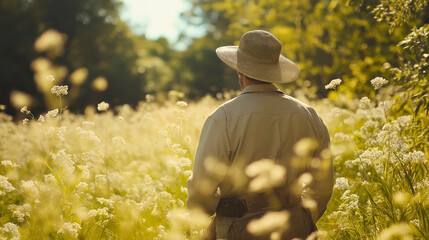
[
  {"x": 398, "y": 12},
  {"x": 97, "y": 39},
  {"x": 328, "y": 39},
  {"x": 382, "y": 169},
  {"x": 413, "y": 75}
]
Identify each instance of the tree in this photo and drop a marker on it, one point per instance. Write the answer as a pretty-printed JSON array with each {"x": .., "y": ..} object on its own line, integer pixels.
[
  {"x": 327, "y": 39},
  {"x": 96, "y": 40}
]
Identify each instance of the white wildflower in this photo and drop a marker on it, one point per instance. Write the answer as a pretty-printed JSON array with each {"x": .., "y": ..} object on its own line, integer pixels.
[
  {"x": 118, "y": 140},
  {"x": 25, "y": 121},
  {"x": 364, "y": 103},
  {"x": 333, "y": 84},
  {"x": 12, "y": 230},
  {"x": 81, "y": 188},
  {"x": 88, "y": 124},
  {"x": 423, "y": 184},
  {"x": 101, "y": 179},
  {"x": 350, "y": 201},
  {"x": 103, "y": 106},
  {"x": 414, "y": 157},
  {"x": 8, "y": 164},
  {"x": 176, "y": 148},
  {"x": 60, "y": 132},
  {"x": 100, "y": 212},
  {"x": 165, "y": 195},
  {"x": 182, "y": 103},
  {"x": 369, "y": 127},
  {"x": 64, "y": 162},
  {"x": 24, "y": 109},
  {"x": 378, "y": 82},
  {"x": 369, "y": 156},
  {"x": 185, "y": 162},
  {"x": 341, "y": 184},
  {"x": 50, "y": 77},
  {"x": 342, "y": 138},
  {"x": 5, "y": 186},
  {"x": 31, "y": 189},
  {"x": 149, "y": 98},
  {"x": 155, "y": 212},
  {"x": 50, "y": 178},
  {"x": 20, "y": 212},
  {"x": 377, "y": 114},
  {"x": 41, "y": 119},
  {"x": 163, "y": 133},
  {"x": 188, "y": 139},
  {"x": 416, "y": 222},
  {"x": 379, "y": 168},
  {"x": 92, "y": 157},
  {"x": 349, "y": 164},
  {"x": 385, "y": 105},
  {"x": 51, "y": 114},
  {"x": 404, "y": 121},
  {"x": 70, "y": 230},
  {"x": 107, "y": 202},
  {"x": 88, "y": 136},
  {"x": 388, "y": 131},
  {"x": 59, "y": 90}
]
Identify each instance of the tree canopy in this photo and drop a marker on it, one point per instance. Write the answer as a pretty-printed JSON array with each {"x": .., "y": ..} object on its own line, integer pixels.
[{"x": 352, "y": 40}]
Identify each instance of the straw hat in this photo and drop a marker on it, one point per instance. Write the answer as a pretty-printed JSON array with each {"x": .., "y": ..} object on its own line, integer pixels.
[{"x": 258, "y": 56}]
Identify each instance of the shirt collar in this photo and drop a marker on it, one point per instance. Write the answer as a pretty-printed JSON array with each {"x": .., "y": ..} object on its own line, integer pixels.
[{"x": 261, "y": 88}]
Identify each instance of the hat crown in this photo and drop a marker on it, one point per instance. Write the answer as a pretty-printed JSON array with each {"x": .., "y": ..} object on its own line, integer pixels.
[{"x": 261, "y": 45}]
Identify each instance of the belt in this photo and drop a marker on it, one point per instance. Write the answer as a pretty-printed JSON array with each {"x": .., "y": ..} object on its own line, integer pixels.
[{"x": 250, "y": 203}]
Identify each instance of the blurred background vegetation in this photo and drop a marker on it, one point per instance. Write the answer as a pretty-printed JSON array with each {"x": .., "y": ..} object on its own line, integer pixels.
[{"x": 355, "y": 40}]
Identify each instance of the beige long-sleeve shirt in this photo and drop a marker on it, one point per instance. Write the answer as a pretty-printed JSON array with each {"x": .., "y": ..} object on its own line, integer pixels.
[{"x": 262, "y": 122}]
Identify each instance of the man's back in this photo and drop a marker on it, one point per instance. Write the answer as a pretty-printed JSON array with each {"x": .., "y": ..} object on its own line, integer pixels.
[
  {"x": 261, "y": 123},
  {"x": 264, "y": 123}
]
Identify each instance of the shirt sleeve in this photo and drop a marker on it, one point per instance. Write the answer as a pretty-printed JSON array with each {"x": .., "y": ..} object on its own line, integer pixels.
[
  {"x": 211, "y": 160},
  {"x": 320, "y": 189}
]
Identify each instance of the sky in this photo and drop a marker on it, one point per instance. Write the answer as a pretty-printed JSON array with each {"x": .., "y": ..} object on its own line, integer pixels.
[{"x": 158, "y": 18}]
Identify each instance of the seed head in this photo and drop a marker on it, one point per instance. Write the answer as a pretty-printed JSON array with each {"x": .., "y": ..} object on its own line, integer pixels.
[
  {"x": 103, "y": 106},
  {"x": 378, "y": 82},
  {"x": 333, "y": 84},
  {"x": 59, "y": 90}
]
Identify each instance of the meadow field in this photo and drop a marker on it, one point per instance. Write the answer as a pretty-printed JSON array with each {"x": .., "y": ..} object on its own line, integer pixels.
[
  {"x": 108, "y": 153},
  {"x": 120, "y": 173}
]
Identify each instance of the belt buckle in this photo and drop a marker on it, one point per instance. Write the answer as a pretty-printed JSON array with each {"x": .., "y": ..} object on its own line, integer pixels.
[{"x": 232, "y": 207}]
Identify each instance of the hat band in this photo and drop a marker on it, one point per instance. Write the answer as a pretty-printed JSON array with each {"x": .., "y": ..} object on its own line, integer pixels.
[{"x": 242, "y": 55}]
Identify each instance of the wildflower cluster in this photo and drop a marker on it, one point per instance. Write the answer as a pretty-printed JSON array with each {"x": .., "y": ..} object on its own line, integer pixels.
[
  {"x": 380, "y": 173},
  {"x": 59, "y": 90},
  {"x": 378, "y": 82},
  {"x": 103, "y": 106},
  {"x": 77, "y": 173},
  {"x": 333, "y": 84}
]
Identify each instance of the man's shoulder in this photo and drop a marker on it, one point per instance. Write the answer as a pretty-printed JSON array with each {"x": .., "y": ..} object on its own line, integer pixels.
[{"x": 219, "y": 113}]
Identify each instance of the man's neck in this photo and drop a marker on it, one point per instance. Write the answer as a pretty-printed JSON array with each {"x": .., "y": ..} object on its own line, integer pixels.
[{"x": 247, "y": 82}]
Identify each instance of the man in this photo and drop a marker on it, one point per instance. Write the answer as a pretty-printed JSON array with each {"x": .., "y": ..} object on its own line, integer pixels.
[{"x": 261, "y": 123}]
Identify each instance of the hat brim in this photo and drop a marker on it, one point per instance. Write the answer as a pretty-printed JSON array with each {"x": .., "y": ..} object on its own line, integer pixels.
[{"x": 283, "y": 71}]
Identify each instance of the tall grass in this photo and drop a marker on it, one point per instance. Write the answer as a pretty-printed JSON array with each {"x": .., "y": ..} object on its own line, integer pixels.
[{"x": 121, "y": 174}]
